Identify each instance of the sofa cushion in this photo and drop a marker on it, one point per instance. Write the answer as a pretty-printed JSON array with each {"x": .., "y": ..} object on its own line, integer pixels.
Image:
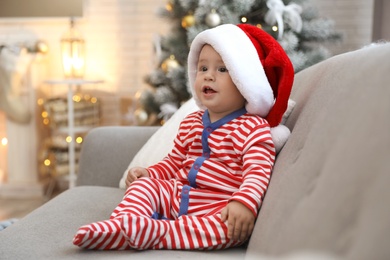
[
  {"x": 47, "y": 232},
  {"x": 329, "y": 190}
]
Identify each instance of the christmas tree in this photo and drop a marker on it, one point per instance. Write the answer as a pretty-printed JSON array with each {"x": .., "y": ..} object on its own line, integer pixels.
[{"x": 295, "y": 24}]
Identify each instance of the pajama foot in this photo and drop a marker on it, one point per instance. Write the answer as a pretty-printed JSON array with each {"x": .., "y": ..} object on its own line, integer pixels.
[{"x": 102, "y": 235}]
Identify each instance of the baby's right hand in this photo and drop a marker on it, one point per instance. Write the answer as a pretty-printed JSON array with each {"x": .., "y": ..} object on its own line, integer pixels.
[{"x": 135, "y": 173}]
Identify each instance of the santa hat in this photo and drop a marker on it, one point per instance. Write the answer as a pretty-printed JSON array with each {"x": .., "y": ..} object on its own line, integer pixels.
[{"x": 257, "y": 64}]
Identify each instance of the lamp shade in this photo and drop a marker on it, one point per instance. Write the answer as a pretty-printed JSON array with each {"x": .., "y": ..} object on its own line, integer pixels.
[{"x": 73, "y": 53}]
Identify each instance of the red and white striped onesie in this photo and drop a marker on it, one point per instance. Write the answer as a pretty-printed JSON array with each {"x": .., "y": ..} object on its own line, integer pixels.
[{"x": 179, "y": 206}]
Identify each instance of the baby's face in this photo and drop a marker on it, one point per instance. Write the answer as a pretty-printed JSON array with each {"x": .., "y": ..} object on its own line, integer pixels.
[{"x": 214, "y": 86}]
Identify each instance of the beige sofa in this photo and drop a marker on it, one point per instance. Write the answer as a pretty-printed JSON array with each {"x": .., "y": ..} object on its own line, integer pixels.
[{"x": 329, "y": 196}]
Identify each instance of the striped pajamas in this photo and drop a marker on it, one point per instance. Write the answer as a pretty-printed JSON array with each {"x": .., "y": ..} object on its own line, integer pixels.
[{"x": 179, "y": 206}]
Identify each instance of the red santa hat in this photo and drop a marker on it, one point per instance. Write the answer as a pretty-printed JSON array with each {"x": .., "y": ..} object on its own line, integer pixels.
[{"x": 257, "y": 64}]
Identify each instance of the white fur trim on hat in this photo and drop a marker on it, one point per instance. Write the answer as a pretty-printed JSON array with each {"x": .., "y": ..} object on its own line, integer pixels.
[{"x": 241, "y": 59}]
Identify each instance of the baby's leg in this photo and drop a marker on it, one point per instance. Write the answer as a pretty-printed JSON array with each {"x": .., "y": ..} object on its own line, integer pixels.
[
  {"x": 187, "y": 232},
  {"x": 137, "y": 232},
  {"x": 191, "y": 232},
  {"x": 144, "y": 200},
  {"x": 147, "y": 197}
]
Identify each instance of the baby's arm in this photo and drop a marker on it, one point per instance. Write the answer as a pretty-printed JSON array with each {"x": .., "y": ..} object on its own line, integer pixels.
[
  {"x": 241, "y": 220},
  {"x": 242, "y": 208},
  {"x": 135, "y": 173}
]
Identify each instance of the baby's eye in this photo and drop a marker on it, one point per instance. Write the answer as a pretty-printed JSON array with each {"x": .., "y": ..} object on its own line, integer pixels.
[
  {"x": 202, "y": 68},
  {"x": 223, "y": 69}
]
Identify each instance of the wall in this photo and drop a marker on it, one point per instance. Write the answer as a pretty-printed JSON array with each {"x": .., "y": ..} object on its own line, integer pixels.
[
  {"x": 119, "y": 36},
  {"x": 381, "y": 27},
  {"x": 354, "y": 18},
  {"x": 52, "y": 8}
]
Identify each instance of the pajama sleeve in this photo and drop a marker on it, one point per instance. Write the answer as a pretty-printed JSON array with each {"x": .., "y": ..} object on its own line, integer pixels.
[{"x": 258, "y": 160}]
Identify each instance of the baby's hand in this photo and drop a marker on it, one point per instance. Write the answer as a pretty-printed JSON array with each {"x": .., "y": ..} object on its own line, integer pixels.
[
  {"x": 240, "y": 220},
  {"x": 135, "y": 173}
]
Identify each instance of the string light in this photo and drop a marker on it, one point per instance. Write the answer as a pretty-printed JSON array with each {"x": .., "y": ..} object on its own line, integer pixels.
[
  {"x": 79, "y": 140},
  {"x": 274, "y": 28},
  {"x": 40, "y": 101},
  {"x": 76, "y": 98},
  {"x": 247, "y": 17},
  {"x": 45, "y": 114},
  {"x": 48, "y": 113},
  {"x": 47, "y": 162}
]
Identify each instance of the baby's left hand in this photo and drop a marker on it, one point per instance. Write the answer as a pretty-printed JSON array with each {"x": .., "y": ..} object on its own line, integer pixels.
[{"x": 240, "y": 220}]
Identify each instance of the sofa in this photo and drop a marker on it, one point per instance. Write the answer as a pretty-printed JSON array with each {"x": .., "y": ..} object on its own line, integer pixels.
[{"x": 329, "y": 195}]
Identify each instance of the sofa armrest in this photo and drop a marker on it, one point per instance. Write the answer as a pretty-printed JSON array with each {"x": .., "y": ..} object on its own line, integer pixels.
[{"x": 107, "y": 151}]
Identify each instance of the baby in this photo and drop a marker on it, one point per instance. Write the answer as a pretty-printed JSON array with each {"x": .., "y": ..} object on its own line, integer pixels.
[{"x": 206, "y": 193}]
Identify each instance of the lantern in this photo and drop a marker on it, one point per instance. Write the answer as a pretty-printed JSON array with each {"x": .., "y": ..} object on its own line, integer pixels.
[{"x": 73, "y": 53}]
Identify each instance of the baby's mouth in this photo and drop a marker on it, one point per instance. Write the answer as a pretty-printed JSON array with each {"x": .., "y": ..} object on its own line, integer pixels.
[{"x": 208, "y": 90}]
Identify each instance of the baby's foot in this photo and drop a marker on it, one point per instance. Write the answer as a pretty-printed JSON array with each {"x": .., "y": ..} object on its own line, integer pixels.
[{"x": 102, "y": 235}]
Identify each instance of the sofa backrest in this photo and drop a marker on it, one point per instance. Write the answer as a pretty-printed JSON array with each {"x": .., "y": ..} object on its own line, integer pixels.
[{"x": 329, "y": 191}]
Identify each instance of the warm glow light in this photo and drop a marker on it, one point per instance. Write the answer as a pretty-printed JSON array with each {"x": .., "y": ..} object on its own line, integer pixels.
[
  {"x": 40, "y": 101},
  {"x": 93, "y": 100},
  {"x": 46, "y": 121},
  {"x": 274, "y": 28},
  {"x": 4, "y": 141},
  {"x": 68, "y": 139},
  {"x": 244, "y": 19},
  {"x": 168, "y": 7},
  {"x": 76, "y": 98},
  {"x": 73, "y": 53},
  {"x": 47, "y": 162},
  {"x": 79, "y": 140},
  {"x": 45, "y": 114}
]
